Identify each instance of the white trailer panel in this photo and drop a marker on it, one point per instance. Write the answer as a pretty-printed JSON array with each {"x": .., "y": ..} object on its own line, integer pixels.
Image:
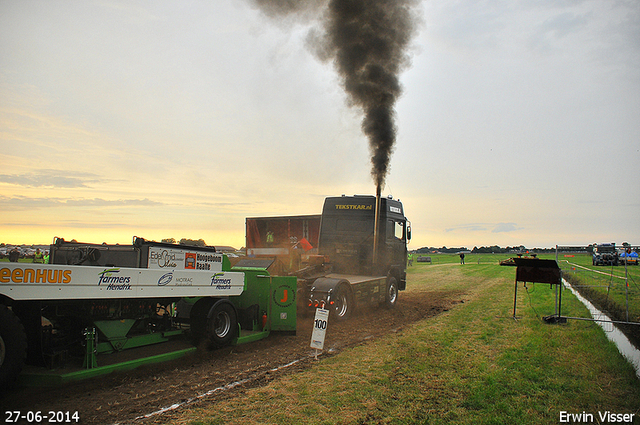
[{"x": 23, "y": 281}]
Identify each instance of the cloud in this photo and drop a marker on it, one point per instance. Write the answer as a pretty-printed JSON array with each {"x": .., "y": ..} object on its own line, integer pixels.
[
  {"x": 484, "y": 227},
  {"x": 98, "y": 202},
  {"x": 50, "y": 178},
  {"x": 505, "y": 227},
  {"x": 474, "y": 227},
  {"x": 71, "y": 224},
  {"x": 23, "y": 203},
  {"x": 560, "y": 26}
]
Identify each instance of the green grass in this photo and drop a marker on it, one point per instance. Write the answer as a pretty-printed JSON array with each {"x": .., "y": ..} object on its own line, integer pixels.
[
  {"x": 21, "y": 260},
  {"x": 608, "y": 293},
  {"x": 473, "y": 364},
  {"x": 607, "y": 286},
  {"x": 610, "y": 288}
]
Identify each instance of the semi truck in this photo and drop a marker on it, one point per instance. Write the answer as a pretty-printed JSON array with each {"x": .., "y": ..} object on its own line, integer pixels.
[
  {"x": 95, "y": 299},
  {"x": 604, "y": 254},
  {"x": 362, "y": 256}
]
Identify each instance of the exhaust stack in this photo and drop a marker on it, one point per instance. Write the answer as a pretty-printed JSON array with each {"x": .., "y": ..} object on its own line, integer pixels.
[{"x": 376, "y": 223}]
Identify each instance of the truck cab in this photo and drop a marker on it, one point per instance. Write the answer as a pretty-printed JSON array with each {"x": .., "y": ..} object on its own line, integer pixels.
[
  {"x": 605, "y": 254},
  {"x": 359, "y": 263},
  {"x": 347, "y": 236}
]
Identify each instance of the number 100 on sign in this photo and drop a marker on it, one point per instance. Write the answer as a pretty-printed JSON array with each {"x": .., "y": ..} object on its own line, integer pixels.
[{"x": 319, "y": 328}]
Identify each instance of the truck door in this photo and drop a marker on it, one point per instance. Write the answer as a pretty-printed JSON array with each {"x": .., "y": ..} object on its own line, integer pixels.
[{"x": 395, "y": 243}]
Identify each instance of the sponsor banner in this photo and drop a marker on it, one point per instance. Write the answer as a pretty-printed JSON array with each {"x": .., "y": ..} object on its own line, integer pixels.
[
  {"x": 183, "y": 259},
  {"x": 24, "y": 281}
]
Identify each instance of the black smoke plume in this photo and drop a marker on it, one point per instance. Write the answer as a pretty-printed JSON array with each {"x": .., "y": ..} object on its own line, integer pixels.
[{"x": 367, "y": 40}]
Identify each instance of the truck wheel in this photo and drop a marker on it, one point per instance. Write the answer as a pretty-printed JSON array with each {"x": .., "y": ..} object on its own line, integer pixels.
[
  {"x": 222, "y": 324},
  {"x": 343, "y": 303},
  {"x": 391, "y": 297},
  {"x": 13, "y": 347}
]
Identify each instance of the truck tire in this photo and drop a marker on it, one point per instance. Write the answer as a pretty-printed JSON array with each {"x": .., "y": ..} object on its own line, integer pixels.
[
  {"x": 343, "y": 303},
  {"x": 13, "y": 347},
  {"x": 391, "y": 296},
  {"x": 222, "y": 324}
]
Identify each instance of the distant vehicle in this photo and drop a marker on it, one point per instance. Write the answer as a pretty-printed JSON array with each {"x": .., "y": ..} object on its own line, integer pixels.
[
  {"x": 605, "y": 254},
  {"x": 628, "y": 256}
]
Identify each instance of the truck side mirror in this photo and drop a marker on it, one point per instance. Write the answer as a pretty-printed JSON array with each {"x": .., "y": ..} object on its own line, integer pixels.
[{"x": 409, "y": 232}]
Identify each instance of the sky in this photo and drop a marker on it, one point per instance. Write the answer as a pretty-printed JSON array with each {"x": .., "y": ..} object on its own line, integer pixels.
[{"x": 518, "y": 124}]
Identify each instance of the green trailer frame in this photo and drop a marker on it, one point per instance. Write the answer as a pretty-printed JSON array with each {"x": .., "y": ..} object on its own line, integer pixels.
[{"x": 275, "y": 297}]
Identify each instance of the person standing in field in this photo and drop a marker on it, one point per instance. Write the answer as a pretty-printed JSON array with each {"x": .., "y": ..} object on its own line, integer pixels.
[
  {"x": 14, "y": 255},
  {"x": 462, "y": 258},
  {"x": 38, "y": 257}
]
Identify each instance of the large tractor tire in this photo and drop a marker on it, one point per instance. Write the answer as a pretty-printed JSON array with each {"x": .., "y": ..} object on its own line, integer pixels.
[
  {"x": 391, "y": 296},
  {"x": 198, "y": 320},
  {"x": 343, "y": 303},
  {"x": 222, "y": 324},
  {"x": 13, "y": 347}
]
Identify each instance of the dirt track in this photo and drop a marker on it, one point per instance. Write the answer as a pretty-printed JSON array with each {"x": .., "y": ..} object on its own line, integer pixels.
[{"x": 141, "y": 396}]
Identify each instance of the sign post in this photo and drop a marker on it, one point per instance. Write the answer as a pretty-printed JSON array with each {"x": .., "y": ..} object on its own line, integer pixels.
[{"x": 319, "y": 329}]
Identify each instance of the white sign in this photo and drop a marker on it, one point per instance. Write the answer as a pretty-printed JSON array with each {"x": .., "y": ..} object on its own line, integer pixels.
[
  {"x": 24, "y": 281},
  {"x": 184, "y": 259},
  {"x": 319, "y": 328}
]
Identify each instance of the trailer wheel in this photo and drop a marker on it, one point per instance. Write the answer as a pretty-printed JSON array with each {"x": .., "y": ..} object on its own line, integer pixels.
[
  {"x": 222, "y": 324},
  {"x": 391, "y": 297},
  {"x": 13, "y": 347},
  {"x": 343, "y": 303},
  {"x": 198, "y": 320}
]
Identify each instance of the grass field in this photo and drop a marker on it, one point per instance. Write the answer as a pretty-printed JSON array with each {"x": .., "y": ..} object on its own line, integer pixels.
[
  {"x": 609, "y": 287},
  {"x": 473, "y": 364}
]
